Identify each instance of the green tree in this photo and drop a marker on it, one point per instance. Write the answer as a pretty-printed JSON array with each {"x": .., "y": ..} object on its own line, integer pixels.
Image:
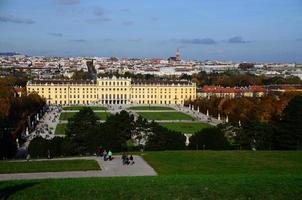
[
  {"x": 82, "y": 130},
  {"x": 164, "y": 139},
  {"x": 289, "y": 128},
  {"x": 255, "y": 135},
  {"x": 209, "y": 138},
  {"x": 118, "y": 129}
]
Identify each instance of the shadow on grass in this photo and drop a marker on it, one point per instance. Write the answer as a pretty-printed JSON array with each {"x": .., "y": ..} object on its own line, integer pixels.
[{"x": 8, "y": 191}]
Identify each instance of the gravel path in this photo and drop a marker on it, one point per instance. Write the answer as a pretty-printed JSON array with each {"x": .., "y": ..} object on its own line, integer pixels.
[{"x": 109, "y": 169}]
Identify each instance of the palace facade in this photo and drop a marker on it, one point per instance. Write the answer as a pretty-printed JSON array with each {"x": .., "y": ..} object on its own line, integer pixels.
[{"x": 113, "y": 91}]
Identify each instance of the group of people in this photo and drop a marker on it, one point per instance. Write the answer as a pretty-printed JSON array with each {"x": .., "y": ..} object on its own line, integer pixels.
[
  {"x": 127, "y": 160},
  {"x": 106, "y": 155}
]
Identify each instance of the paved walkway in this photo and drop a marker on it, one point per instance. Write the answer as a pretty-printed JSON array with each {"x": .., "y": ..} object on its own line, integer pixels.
[{"x": 109, "y": 169}]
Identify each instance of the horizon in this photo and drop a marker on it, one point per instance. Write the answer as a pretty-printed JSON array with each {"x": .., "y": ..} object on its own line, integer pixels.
[
  {"x": 150, "y": 58},
  {"x": 251, "y": 31}
]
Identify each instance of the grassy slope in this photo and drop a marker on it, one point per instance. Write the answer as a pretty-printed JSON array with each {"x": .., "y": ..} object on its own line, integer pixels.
[
  {"x": 183, "y": 175},
  {"x": 48, "y": 166},
  {"x": 150, "y": 108},
  {"x": 80, "y": 107},
  {"x": 164, "y": 187},
  {"x": 225, "y": 162},
  {"x": 185, "y": 127},
  {"x": 165, "y": 116}
]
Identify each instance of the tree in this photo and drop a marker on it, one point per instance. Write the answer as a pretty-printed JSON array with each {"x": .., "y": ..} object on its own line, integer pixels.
[
  {"x": 8, "y": 147},
  {"x": 289, "y": 128},
  {"x": 164, "y": 139},
  {"x": 40, "y": 147},
  {"x": 81, "y": 75},
  {"x": 209, "y": 138},
  {"x": 117, "y": 131},
  {"x": 82, "y": 130},
  {"x": 14, "y": 113},
  {"x": 245, "y": 66},
  {"x": 255, "y": 135}
]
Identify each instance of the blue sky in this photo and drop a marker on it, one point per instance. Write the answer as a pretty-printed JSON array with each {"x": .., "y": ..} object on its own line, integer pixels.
[{"x": 238, "y": 30}]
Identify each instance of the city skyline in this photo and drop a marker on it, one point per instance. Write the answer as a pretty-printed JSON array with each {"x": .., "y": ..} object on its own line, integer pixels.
[{"x": 259, "y": 31}]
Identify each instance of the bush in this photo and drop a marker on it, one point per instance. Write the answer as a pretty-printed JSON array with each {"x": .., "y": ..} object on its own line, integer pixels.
[
  {"x": 210, "y": 139},
  {"x": 39, "y": 147}
]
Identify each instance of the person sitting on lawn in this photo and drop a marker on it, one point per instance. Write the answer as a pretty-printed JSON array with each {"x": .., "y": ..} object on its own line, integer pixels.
[
  {"x": 105, "y": 155},
  {"x": 131, "y": 160},
  {"x": 110, "y": 155},
  {"x": 124, "y": 155}
]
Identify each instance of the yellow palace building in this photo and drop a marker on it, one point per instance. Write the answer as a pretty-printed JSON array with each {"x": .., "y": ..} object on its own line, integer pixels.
[{"x": 113, "y": 91}]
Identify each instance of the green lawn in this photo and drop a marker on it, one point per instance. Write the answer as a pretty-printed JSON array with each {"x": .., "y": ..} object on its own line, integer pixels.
[
  {"x": 47, "y": 166},
  {"x": 80, "y": 107},
  {"x": 182, "y": 175},
  {"x": 165, "y": 116},
  {"x": 60, "y": 129},
  {"x": 102, "y": 115},
  {"x": 150, "y": 108},
  {"x": 189, "y": 128},
  {"x": 162, "y": 187},
  {"x": 67, "y": 115},
  {"x": 225, "y": 162}
]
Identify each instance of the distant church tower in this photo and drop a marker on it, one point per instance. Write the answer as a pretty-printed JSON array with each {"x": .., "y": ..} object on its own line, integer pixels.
[{"x": 177, "y": 55}]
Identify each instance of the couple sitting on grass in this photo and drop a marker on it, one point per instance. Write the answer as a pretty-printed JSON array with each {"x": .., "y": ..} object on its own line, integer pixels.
[{"x": 127, "y": 160}]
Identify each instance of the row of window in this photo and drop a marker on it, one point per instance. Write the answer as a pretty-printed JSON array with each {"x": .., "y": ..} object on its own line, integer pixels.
[
  {"x": 155, "y": 102},
  {"x": 161, "y": 89},
  {"x": 113, "y": 83},
  {"x": 113, "y": 96},
  {"x": 104, "y": 96},
  {"x": 78, "y": 90},
  {"x": 112, "y": 102},
  {"x": 155, "y": 96}
]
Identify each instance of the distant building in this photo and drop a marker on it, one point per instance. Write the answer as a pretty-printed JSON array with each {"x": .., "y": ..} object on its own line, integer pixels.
[
  {"x": 114, "y": 91},
  {"x": 176, "y": 58},
  {"x": 177, "y": 55},
  {"x": 231, "y": 92}
]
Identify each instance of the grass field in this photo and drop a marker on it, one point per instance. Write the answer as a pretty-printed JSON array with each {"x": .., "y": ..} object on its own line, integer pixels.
[
  {"x": 189, "y": 128},
  {"x": 47, "y": 166},
  {"x": 165, "y": 116},
  {"x": 225, "y": 162},
  {"x": 182, "y": 175},
  {"x": 163, "y": 187},
  {"x": 67, "y": 115},
  {"x": 80, "y": 107},
  {"x": 150, "y": 108},
  {"x": 60, "y": 129}
]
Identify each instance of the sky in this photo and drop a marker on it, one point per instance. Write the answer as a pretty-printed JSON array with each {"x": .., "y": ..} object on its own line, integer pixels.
[{"x": 232, "y": 30}]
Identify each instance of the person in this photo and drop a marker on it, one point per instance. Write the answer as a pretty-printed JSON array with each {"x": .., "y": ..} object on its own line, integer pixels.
[
  {"x": 28, "y": 157},
  {"x": 126, "y": 162},
  {"x": 105, "y": 155},
  {"x": 100, "y": 151},
  {"x": 110, "y": 155},
  {"x": 48, "y": 154},
  {"x": 131, "y": 160},
  {"x": 124, "y": 156}
]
